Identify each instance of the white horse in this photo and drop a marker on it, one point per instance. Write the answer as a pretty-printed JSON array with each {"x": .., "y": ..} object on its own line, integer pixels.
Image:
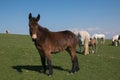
[
  {"x": 116, "y": 40},
  {"x": 100, "y": 37},
  {"x": 83, "y": 37}
]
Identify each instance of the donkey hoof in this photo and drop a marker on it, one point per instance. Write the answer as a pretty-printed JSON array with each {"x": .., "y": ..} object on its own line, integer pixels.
[
  {"x": 77, "y": 69},
  {"x": 49, "y": 75},
  {"x": 42, "y": 71},
  {"x": 72, "y": 72}
]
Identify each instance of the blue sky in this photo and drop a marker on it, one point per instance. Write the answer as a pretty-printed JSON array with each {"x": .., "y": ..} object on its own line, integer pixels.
[{"x": 95, "y": 16}]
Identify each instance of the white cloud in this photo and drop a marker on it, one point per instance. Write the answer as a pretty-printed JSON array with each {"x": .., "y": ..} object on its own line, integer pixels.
[{"x": 94, "y": 29}]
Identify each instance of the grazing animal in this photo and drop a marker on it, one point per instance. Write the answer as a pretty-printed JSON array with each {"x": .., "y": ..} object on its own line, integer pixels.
[
  {"x": 7, "y": 32},
  {"x": 92, "y": 45},
  {"x": 99, "y": 37},
  {"x": 48, "y": 42},
  {"x": 83, "y": 37},
  {"x": 116, "y": 40}
]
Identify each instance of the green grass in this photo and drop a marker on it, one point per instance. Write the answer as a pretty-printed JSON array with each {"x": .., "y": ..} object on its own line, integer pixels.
[{"x": 19, "y": 60}]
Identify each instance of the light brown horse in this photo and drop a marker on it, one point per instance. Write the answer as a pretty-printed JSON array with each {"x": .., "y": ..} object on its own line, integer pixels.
[
  {"x": 92, "y": 45},
  {"x": 48, "y": 42},
  {"x": 83, "y": 37}
]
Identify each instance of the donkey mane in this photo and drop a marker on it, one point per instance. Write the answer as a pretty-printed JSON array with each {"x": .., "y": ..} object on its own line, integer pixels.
[{"x": 42, "y": 28}]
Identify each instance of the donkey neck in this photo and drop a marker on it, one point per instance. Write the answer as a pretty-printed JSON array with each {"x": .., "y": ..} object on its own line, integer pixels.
[{"x": 42, "y": 31}]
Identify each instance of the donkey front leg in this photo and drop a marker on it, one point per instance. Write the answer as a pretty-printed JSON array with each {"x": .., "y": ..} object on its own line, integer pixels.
[{"x": 43, "y": 61}]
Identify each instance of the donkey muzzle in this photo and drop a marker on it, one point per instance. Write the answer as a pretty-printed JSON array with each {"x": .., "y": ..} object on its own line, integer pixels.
[{"x": 34, "y": 36}]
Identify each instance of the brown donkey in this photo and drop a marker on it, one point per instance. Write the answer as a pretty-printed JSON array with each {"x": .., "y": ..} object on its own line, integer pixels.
[
  {"x": 92, "y": 45},
  {"x": 48, "y": 42}
]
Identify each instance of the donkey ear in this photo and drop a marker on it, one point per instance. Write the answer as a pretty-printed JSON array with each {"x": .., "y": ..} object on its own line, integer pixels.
[
  {"x": 30, "y": 16},
  {"x": 38, "y": 17}
]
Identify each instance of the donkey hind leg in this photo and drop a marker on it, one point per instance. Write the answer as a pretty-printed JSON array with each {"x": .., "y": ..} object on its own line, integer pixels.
[
  {"x": 75, "y": 65},
  {"x": 49, "y": 62},
  {"x": 50, "y": 67}
]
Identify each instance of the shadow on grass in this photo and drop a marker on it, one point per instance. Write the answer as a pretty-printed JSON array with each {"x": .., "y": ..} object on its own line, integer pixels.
[
  {"x": 36, "y": 68},
  {"x": 82, "y": 53}
]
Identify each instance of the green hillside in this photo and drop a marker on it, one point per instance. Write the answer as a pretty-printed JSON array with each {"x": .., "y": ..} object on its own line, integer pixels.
[{"x": 19, "y": 60}]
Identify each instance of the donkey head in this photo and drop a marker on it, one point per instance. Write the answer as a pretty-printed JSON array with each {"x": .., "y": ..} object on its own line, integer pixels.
[{"x": 33, "y": 26}]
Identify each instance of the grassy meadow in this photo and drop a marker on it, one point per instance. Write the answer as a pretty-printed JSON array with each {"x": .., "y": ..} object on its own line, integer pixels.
[{"x": 19, "y": 60}]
